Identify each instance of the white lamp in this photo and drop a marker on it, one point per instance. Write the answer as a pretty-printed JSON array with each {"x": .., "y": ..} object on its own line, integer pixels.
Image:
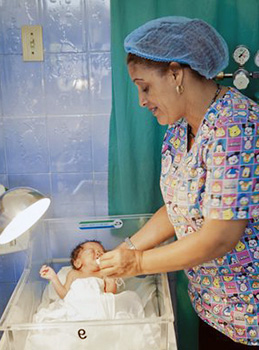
[{"x": 20, "y": 209}]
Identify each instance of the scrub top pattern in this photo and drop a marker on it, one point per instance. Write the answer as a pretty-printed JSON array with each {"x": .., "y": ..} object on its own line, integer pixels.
[{"x": 218, "y": 178}]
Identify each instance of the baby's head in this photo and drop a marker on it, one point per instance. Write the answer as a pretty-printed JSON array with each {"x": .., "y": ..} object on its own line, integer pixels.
[{"x": 86, "y": 253}]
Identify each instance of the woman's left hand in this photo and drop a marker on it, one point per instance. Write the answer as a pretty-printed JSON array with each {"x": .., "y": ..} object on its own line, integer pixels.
[{"x": 121, "y": 263}]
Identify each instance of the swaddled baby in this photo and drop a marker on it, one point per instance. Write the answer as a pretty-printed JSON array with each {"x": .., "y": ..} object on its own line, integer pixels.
[{"x": 85, "y": 294}]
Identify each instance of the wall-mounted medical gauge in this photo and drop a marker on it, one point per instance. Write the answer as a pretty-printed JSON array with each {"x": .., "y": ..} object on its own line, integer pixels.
[
  {"x": 241, "y": 79},
  {"x": 241, "y": 55},
  {"x": 257, "y": 58}
]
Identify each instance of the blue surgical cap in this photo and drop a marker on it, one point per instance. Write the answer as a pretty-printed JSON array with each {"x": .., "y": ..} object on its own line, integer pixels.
[{"x": 180, "y": 39}]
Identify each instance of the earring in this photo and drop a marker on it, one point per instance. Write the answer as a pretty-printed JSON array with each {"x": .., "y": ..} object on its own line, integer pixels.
[{"x": 179, "y": 89}]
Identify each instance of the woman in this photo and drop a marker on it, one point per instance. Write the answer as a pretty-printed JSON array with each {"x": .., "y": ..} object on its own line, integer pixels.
[{"x": 208, "y": 177}]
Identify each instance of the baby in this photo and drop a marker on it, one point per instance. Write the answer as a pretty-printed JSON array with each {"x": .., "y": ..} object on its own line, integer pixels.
[{"x": 84, "y": 261}]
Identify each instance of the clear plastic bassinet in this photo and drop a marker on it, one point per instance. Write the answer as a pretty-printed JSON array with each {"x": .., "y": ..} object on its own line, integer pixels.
[{"x": 50, "y": 242}]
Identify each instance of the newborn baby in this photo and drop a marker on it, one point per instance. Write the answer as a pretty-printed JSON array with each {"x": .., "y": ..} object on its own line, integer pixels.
[
  {"x": 84, "y": 261},
  {"x": 81, "y": 294},
  {"x": 86, "y": 294}
]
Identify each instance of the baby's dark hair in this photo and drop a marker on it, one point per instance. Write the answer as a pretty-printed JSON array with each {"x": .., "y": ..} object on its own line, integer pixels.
[{"x": 75, "y": 252}]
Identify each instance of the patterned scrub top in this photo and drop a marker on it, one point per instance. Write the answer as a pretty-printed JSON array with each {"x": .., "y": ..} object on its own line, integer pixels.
[{"x": 218, "y": 178}]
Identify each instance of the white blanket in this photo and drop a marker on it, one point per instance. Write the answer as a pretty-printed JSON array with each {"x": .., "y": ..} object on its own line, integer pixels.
[{"x": 86, "y": 300}]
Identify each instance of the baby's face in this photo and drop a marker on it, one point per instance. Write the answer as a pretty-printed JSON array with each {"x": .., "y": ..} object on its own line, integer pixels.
[{"x": 88, "y": 255}]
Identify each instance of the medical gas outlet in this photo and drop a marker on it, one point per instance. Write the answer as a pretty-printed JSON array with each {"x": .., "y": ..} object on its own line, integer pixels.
[{"x": 241, "y": 77}]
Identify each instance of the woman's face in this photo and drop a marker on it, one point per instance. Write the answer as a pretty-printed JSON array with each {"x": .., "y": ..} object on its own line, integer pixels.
[{"x": 157, "y": 92}]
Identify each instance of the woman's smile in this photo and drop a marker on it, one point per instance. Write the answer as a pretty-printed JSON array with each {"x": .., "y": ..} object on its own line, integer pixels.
[
  {"x": 156, "y": 92},
  {"x": 153, "y": 110}
]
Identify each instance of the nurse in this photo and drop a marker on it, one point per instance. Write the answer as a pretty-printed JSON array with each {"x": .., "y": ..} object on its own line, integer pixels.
[{"x": 209, "y": 178}]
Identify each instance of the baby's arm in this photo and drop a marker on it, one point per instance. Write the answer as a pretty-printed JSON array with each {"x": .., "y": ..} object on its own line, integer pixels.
[
  {"x": 110, "y": 285},
  {"x": 48, "y": 273}
]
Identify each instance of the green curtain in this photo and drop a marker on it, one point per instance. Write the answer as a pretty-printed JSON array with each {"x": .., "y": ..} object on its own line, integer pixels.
[{"x": 135, "y": 137}]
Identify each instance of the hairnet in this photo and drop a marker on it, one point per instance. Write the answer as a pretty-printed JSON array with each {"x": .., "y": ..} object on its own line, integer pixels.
[{"x": 180, "y": 39}]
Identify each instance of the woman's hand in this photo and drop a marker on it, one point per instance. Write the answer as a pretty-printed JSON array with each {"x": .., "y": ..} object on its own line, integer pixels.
[
  {"x": 121, "y": 262},
  {"x": 213, "y": 240}
]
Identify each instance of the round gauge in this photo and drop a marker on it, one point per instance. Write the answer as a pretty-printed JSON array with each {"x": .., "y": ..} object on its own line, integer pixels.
[
  {"x": 257, "y": 58},
  {"x": 241, "y": 55},
  {"x": 241, "y": 79}
]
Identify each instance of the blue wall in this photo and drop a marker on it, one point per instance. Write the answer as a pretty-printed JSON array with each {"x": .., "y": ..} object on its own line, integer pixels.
[
  {"x": 54, "y": 115},
  {"x": 11, "y": 266}
]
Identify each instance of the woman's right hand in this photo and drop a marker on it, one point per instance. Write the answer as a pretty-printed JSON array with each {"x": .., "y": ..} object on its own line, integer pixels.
[
  {"x": 121, "y": 263},
  {"x": 47, "y": 272}
]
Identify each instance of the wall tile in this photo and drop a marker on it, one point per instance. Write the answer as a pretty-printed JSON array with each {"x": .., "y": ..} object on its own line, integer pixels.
[
  {"x": 73, "y": 195},
  {"x": 16, "y": 13},
  {"x": 2, "y": 148},
  {"x": 4, "y": 180},
  {"x": 70, "y": 144},
  {"x": 26, "y": 145},
  {"x": 67, "y": 84},
  {"x": 1, "y": 71},
  {"x": 22, "y": 87},
  {"x": 100, "y": 82},
  {"x": 1, "y": 76},
  {"x": 63, "y": 25},
  {"x": 99, "y": 25},
  {"x": 1, "y": 31},
  {"x": 54, "y": 115},
  {"x": 101, "y": 193},
  {"x": 100, "y": 137},
  {"x": 40, "y": 182}
]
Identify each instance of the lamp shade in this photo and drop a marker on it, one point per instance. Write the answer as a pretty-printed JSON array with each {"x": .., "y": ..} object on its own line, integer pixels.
[{"x": 20, "y": 209}]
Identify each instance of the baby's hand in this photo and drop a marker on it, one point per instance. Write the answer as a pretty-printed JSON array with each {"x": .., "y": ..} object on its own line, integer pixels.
[
  {"x": 110, "y": 285},
  {"x": 47, "y": 272}
]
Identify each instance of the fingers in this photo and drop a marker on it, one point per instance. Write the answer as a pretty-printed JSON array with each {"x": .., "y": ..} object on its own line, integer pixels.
[
  {"x": 109, "y": 264},
  {"x": 107, "y": 256},
  {"x": 98, "y": 254},
  {"x": 120, "y": 263},
  {"x": 44, "y": 271},
  {"x": 111, "y": 273},
  {"x": 107, "y": 260}
]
